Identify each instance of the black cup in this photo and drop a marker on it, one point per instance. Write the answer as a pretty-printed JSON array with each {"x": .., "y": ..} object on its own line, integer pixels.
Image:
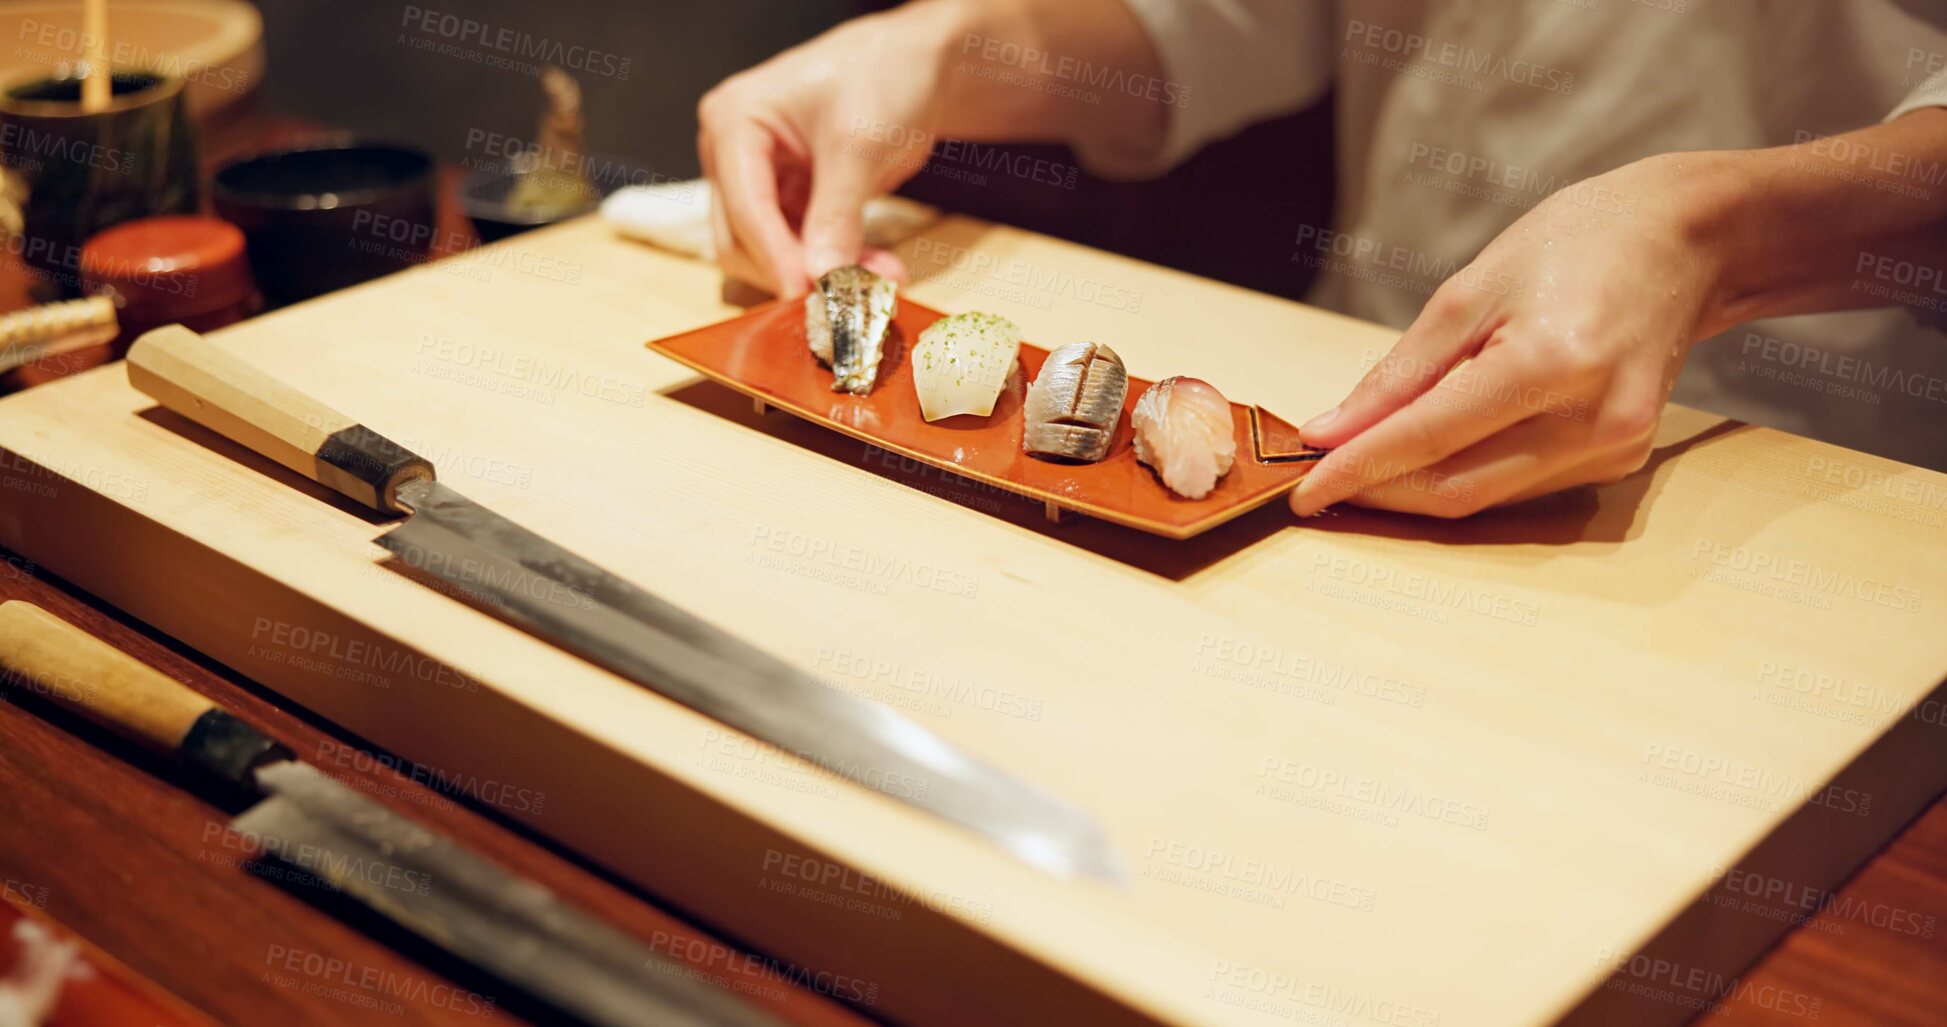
[
  {"x": 323, "y": 218},
  {"x": 66, "y": 173},
  {"x": 483, "y": 199}
]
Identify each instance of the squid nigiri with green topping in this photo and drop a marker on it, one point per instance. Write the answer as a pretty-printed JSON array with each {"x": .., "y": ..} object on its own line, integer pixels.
[{"x": 962, "y": 363}]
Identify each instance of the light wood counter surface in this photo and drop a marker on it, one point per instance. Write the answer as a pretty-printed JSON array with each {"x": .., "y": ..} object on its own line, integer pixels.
[{"x": 1364, "y": 769}]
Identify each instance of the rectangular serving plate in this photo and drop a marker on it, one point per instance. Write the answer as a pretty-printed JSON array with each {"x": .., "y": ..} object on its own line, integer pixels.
[{"x": 763, "y": 354}]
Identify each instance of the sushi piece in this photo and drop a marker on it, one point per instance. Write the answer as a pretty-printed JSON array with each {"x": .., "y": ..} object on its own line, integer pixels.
[
  {"x": 1184, "y": 431},
  {"x": 845, "y": 321},
  {"x": 961, "y": 364},
  {"x": 1074, "y": 404}
]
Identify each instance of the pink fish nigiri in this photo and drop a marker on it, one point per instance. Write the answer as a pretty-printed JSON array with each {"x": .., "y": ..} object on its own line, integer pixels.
[{"x": 1184, "y": 430}]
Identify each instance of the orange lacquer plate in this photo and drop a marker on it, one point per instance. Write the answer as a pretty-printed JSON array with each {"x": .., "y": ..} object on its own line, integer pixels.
[{"x": 763, "y": 354}]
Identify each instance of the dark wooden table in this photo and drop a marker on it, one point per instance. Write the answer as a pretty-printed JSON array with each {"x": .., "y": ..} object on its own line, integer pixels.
[
  {"x": 117, "y": 846},
  {"x": 113, "y": 844}
]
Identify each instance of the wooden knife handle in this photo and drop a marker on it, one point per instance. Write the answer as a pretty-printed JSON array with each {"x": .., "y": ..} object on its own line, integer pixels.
[
  {"x": 44, "y": 655},
  {"x": 213, "y": 387}
]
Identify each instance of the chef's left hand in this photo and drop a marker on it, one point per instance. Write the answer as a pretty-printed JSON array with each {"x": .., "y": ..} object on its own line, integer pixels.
[
  {"x": 1546, "y": 362},
  {"x": 1572, "y": 326}
]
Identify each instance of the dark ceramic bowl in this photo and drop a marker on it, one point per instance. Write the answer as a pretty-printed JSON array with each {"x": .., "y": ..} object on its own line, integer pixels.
[
  {"x": 483, "y": 198},
  {"x": 73, "y": 173},
  {"x": 323, "y": 218}
]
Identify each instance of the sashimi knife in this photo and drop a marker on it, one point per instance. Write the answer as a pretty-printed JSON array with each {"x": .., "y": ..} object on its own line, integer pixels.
[
  {"x": 412, "y": 875},
  {"x": 569, "y": 602}
]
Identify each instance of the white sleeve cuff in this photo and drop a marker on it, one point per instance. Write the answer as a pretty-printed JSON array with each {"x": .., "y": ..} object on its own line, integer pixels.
[
  {"x": 1226, "y": 64},
  {"x": 1930, "y": 93}
]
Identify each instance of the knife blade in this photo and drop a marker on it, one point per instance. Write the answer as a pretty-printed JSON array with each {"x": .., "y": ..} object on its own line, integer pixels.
[
  {"x": 572, "y": 603},
  {"x": 478, "y": 910}
]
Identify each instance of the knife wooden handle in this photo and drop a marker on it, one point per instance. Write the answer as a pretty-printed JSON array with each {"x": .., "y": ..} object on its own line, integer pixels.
[
  {"x": 213, "y": 387},
  {"x": 46, "y": 656}
]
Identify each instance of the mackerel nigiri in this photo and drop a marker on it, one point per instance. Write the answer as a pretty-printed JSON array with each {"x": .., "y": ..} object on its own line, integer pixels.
[
  {"x": 845, "y": 321},
  {"x": 1074, "y": 403},
  {"x": 1184, "y": 430}
]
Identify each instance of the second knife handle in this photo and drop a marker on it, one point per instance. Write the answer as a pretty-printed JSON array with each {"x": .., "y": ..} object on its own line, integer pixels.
[
  {"x": 218, "y": 390},
  {"x": 47, "y": 656}
]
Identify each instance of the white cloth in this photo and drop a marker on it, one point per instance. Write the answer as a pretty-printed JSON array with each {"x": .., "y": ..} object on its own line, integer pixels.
[
  {"x": 1455, "y": 118},
  {"x": 675, "y": 216}
]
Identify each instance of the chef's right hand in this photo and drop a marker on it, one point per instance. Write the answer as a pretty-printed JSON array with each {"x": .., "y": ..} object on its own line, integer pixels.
[{"x": 795, "y": 146}]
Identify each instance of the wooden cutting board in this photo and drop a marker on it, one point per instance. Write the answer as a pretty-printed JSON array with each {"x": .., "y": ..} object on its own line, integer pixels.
[{"x": 1364, "y": 769}]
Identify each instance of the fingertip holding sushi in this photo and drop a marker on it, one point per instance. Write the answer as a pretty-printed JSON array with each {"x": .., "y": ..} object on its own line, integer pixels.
[
  {"x": 1073, "y": 406},
  {"x": 961, "y": 363},
  {"x": 845, "y": 323},
  {"x": 1183, "y": 430}
]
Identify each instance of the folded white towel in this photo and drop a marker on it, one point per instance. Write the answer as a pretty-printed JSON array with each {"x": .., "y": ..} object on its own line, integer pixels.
[{"x": 675, "y": 216}]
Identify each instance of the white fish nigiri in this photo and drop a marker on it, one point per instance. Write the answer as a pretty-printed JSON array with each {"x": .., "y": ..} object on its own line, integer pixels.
[
  {"x": 1184, "y": 430},
  {"x": 961, "y": 363}
]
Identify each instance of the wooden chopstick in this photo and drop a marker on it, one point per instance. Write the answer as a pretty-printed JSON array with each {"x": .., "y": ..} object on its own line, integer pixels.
[{"x": 96, "y": 86}]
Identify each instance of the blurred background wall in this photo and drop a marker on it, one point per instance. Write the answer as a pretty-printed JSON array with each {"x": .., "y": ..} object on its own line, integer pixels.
[{"x": 1232, "y": 212}]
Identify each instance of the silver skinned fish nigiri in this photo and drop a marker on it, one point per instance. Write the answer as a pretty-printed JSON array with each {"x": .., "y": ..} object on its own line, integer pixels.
[
  {"x": 845, "y": 321},
  {"x": 1073, "y": 406}
]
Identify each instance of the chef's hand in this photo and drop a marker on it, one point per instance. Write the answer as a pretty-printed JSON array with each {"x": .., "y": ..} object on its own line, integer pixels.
[
  {"x": 795, "y": 146},
  {"x": 1572, "y": 325},
  {"x": 1546, "y": 362}
]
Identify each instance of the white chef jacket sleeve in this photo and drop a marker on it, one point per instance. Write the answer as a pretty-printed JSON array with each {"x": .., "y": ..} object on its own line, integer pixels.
[
  {"x": 1225, "y": 64},
  {"x": 1930, "y": 93}
]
